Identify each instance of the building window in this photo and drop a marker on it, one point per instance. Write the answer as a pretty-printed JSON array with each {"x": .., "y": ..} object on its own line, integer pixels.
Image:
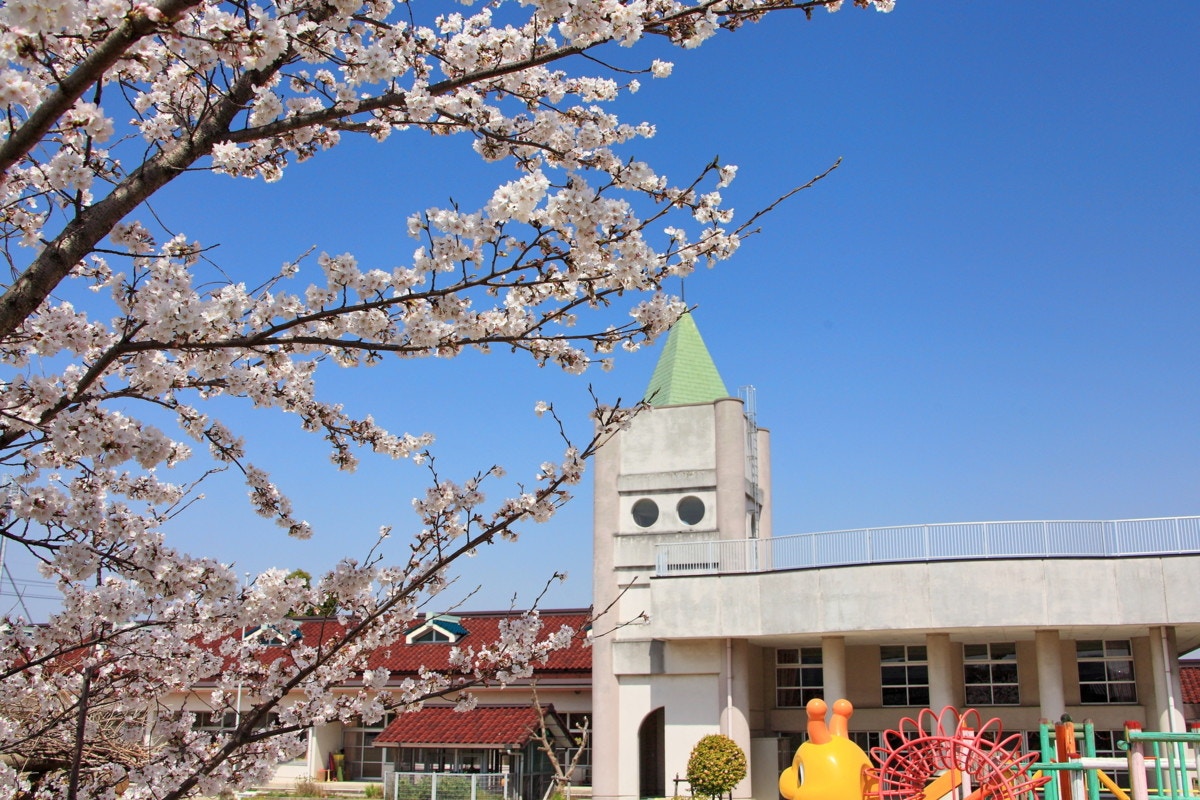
[
  {"x": 690, "y": 510},
  {"x": 1105, "y": 671},
  {"x": 868, "y": 741},
  {"x": 579, "y": 728},
  {"x": 215, "y": 720},
  {"x": 904, "y": 675},
  {"x": 990, "y": 674},
  {"x": 645, "y": 512},
  {"x": 365, "y": 761},
  {"x": 450, "y": 759},
  {"x": 799, "y": 676},
  {"x": 1108, "y": 745}
]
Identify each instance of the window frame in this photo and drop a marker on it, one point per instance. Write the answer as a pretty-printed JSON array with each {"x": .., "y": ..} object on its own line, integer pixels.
[
  {"x": 799, "y": 690},
  {"x": 914, "y": 662},
  {"x": 1113, "y": 653},
  {"x": 360, "y": 738},
  {"x": 993, "y": 664}
]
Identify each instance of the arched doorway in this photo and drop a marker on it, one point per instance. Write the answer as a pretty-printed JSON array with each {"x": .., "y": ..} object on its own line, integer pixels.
[{"x": 652, "y": 778}]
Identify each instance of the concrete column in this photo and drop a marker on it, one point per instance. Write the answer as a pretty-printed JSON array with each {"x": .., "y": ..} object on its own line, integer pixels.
[
  {"x": 764, "y": 483},
  {"x": 735, "y": 710},
  {"x": 730, "y": 423},
  {"x": 943, "y": 680},
  {"x": 1167, "y": 708},
  {"x": 833, "y": 666},
  {"x": 1051, "y": 696},
  {"x": 606, "y": 711}
]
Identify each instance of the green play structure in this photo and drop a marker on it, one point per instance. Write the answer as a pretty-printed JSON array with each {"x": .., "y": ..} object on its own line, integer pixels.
[{"x": 1161, "y": 765}]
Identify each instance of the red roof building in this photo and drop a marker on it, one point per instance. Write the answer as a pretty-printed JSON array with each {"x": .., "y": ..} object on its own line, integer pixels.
[
  {"x": 482, "y": 628},
  {"x": 497, "y": 737}
]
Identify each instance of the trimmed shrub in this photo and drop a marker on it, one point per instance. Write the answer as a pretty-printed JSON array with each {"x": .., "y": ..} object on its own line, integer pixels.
[{"x": 716, "y": 765}]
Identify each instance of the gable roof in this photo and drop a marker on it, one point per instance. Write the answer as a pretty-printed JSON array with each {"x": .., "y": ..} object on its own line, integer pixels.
[
  {"x": 495, "y": 726},
  {"x": 685, "y": 373},
  {"x": 273, "y": 634},
  {"x": 445, "y": 623}
]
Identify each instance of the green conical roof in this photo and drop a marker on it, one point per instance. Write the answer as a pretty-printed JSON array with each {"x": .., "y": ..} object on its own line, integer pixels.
[{"x": 685, "y": 372}]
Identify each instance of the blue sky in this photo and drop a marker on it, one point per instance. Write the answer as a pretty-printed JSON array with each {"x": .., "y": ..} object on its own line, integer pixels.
[{"x": 989, "y": 311}]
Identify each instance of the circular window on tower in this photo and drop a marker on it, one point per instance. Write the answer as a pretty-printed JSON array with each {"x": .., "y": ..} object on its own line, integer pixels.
[
  {"x": 645, "y": 512},
  {"x": 691, "y": 510}
]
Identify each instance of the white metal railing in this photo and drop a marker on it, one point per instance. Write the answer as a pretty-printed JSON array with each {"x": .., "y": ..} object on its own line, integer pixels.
[
  {"x": 447, "y": 786},
  {"x": 939, "y": 542}
]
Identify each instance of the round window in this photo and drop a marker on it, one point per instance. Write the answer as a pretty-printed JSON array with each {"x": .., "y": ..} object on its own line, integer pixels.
[
  {"x": 691, "y": 510},
  {"x": 645, "y": 512}
]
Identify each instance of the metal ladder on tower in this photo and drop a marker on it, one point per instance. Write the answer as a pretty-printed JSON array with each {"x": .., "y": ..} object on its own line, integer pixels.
[{"x": 749, "y": 398}]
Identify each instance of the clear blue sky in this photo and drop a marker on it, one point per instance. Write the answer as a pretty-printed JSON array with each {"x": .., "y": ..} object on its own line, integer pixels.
[{"x": 990, "y": 311}]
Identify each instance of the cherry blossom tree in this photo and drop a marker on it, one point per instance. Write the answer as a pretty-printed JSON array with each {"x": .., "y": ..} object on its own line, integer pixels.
[{"x": 109, "y": 325}]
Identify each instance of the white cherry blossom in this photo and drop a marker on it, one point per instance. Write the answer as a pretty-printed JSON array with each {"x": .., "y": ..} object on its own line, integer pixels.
[{"x": 113, "y": 340}]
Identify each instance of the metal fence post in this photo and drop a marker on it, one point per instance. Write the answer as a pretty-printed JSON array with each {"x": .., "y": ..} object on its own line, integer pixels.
[{"x": 1089, "y": 751}]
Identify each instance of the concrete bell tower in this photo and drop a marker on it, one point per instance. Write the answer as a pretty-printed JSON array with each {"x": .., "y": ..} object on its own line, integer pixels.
[{"x": 693, "y": 468}]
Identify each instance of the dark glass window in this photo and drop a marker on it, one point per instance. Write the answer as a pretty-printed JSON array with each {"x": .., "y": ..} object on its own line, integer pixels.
[
  {"x": 990, "y": 674},
  {"x": 645, "y": 512},
  {"x": 904, "y": 675},
  {"x": 691, "y": 510},
  {"x": 1105, "y": 671},
  {"x": 799, "y": 676}
]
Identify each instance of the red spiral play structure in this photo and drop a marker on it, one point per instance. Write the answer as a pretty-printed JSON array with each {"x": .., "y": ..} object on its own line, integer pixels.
[{"x": 927, "y": 757}]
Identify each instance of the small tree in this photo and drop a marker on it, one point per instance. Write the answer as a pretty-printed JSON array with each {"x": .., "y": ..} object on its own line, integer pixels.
[
  {"x": 715, "y": 766},
  {"x": 563, "y": 768}
]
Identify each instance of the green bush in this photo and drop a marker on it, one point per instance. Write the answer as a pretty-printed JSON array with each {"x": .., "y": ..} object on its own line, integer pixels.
[
  {"x": 716, "y": 765},
  {"x": 373, "y": 790}
]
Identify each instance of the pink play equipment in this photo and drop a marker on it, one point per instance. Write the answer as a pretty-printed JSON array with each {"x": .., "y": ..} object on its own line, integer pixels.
[{"x": 1161, "y": 765}]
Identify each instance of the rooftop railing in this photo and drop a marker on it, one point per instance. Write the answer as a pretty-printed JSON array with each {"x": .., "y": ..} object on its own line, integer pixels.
[{"x": 951, "y": 541}]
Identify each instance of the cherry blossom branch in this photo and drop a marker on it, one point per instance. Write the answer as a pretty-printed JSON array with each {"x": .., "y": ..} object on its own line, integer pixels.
[{"x": 137, "y": 25}]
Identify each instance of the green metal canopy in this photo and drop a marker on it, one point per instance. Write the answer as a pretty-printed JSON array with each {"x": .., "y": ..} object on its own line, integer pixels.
[{"x": 685, "y": 372}]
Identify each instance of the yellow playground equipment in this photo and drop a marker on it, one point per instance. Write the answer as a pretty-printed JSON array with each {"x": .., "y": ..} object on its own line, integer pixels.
[{"x": 829, "y": 766}]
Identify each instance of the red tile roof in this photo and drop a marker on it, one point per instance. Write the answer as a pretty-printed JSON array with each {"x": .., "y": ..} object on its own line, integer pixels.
[
  {"x": 483, "y": 629},
  {"x": 1189, "y": 676},
  {"x": 496, "y": 726}
]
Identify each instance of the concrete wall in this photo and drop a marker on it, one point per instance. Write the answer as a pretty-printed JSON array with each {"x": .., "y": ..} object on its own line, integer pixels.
[
  {"x": 943, "y": 596},
  {"x": 666, "y": 455}
]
